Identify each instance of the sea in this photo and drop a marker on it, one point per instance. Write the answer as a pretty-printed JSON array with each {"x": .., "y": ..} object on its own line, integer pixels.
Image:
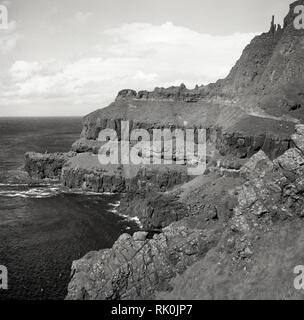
[{"x": 44, "y": 228}]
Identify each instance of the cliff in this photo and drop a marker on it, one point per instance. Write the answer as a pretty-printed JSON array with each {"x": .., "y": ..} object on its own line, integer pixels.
[
  {"x": 254, "y": 108},
  {"x": 268, "y": 77},
  {"x": 249, "y": 201},
  {"x": 244, "y": 249},
  {"x": 42, "y": 166}
]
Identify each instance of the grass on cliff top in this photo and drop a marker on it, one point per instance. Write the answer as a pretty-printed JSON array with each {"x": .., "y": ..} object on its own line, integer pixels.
[{"x": 200, "y": 114}]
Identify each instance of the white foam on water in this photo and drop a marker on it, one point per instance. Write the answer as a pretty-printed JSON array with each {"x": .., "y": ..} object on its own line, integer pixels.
[
  {"x": 115, "y": 205},
  {"x": 54, "y": 190},
  {"x": 87, "y": 193},
  {"x": 35, "y": 193},
  {"x": 13, "y": 185},
  {"x": 126, "y": 217},
  {"x": 42, "y": 191}
]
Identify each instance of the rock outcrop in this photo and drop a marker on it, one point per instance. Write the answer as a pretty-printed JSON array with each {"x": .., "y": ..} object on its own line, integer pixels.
[
  {"x": 85, "y": 172},
  {"x": 228, "y": 129},
  {"x": 136, "y": 266},
  {"x": 262, "y": 242},
  {"x": 41, "y": 166},
  {"x": 268, "y": 197}
]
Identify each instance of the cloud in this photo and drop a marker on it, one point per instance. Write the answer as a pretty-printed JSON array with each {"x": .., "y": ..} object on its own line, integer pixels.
[
  {"x": 137, "y": 55},
  {"x": 82, "y": 17},
  {"x": 22, "y": 70},
  {"x": 177, "y": 53},
  {"x": 9, "y": 38}
]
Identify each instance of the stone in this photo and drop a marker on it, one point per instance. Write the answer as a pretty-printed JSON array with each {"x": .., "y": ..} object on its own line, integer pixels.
[
  {"x": 126, "y": 94},
  {"x": 298, "y": 141},
  {"x": 140, "y": 236},
  {"x": 246, "y": 253},
  {"x": 299, "y": 128},
  {"x": 257, "y": 165},
  {"x": 292, "y": 161}
]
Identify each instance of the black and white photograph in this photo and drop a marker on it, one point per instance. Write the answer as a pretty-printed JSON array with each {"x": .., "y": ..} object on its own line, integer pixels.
[{"x": 151, "y": 152}]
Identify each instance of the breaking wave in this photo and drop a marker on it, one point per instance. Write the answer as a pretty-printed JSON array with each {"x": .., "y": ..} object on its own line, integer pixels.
[
  {"x": 115, "y": 210},
  {"x": 39, "y": 191}
]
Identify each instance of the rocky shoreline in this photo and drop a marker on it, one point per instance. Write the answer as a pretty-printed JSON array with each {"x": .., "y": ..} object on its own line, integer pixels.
[
  {"x": 268, "y": 196},
  {"x": 185, "y": 219},
  {"x": 218, "y": 234}
]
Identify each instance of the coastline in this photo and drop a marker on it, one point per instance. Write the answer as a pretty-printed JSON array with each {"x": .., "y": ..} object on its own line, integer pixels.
[{"x": 213, "y": 233}]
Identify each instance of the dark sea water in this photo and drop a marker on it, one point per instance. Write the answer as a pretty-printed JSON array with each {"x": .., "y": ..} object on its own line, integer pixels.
[{"x": 43, "y": 228}]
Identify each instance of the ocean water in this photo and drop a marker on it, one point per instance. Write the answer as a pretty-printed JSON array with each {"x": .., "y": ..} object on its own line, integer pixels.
[{"x": 43, "y": 228}]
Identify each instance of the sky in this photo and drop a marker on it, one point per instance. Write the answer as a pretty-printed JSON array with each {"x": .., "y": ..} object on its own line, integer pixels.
[{"x": 70, "y": 57}]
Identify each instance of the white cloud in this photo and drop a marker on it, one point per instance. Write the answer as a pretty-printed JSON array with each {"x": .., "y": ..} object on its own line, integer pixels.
[
  {"x": 82, "y": 17},
  {"x": 22, "y": 70},
  {"x": 137, "y": 55}
]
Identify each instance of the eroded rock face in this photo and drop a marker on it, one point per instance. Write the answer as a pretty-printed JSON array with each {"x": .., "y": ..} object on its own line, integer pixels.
[
  {"x": 273, "y": 193},
  {"x": 266, "y": 271},
  {"x": 180, "y": 93},
  {"x": 268, "y": 199},
  {"x": 154, "y": 210},
  {"x": 41, "y": 166},
  {"x": 243, "y": 146},
  {"x": 85, "y": 172},
  {"x": 136, "y": 266},
  {"x": 262, "y": 242},
  {"x": 84, "y": 145},
  {"x": 244, "y": 139}
]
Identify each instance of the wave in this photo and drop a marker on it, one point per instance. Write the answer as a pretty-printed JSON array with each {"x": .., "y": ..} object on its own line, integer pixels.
[
  {"x": 13, "y": 184},
  {"x": 115, "y": 210},
  {"x": 87, "y": 193},
  {"x": 40, "y": 191},
  {"x": 32, "y": 193},
  {"x": 48, "y": 191}
]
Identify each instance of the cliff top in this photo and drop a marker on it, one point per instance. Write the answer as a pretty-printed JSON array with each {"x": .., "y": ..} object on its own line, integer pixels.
[
  {"x": 263, "y": 92},
  {"x": 180, "y": 114},
  {"x": 268, "y": 76}
]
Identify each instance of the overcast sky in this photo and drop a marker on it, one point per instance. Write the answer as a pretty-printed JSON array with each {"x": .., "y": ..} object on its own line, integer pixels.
[{"x": 70, "y": 57}]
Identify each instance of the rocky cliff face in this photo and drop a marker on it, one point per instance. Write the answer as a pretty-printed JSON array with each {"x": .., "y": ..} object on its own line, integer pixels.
[
  {"x": 229, "y": 130},
  {"x": 136, "y": 266},
  {"x": 262, "y": 243},
  {"x": 41, "y": 166},
  {"x": 254, "y": 108},
  {"x": 224, "y": 222},
  {"x": 268, "y": 199},
  {"x": 85, "y": 172}
]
